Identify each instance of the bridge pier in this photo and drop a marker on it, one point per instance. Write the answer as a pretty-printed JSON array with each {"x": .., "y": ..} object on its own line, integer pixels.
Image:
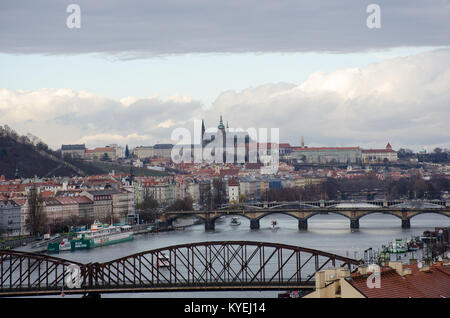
[
  {"x": 209, "y": 225},
  {"x": 354, "y": 224},
  {"x": 406, "y": 224},
  {"x": 303, "y": 224},
  {"x": 254, "y": 224}
]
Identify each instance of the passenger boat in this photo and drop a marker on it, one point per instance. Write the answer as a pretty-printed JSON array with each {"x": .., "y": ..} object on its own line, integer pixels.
[
  {"x": 56, "y": 247},
  {"x": 235, "y": 221},
  {"x": 163, "y": 260},
  {"x": 415, "y": 244},
  {"x": 399, "y": 246},
  {"x": 101, "y": 235}
]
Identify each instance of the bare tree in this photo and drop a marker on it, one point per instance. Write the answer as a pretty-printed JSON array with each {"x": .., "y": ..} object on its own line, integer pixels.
[
  {"x": 147, "y": 207},
  {"x": 37, "y": 220}
]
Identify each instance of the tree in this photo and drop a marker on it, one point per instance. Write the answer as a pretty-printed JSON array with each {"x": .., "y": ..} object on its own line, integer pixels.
[
  {"x": 37, "y": 220},
  {"x": 127, "y": 152},
  {"x": 220, "y": 192},
  {"x": 181, "y": 205},
  {"x": 147, "y": 207}
]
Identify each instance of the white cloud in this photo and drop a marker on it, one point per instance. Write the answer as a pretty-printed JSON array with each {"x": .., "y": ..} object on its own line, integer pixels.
[
  {"x": 112, "y": 138},
  {"x": 402, "y": 100}
]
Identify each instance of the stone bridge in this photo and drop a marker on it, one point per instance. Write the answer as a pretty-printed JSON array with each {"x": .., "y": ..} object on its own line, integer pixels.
[{"x": 302, "y": 211}]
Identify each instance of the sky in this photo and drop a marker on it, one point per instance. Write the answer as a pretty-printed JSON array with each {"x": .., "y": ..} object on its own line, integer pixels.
[{"x": 136, "y": 70}]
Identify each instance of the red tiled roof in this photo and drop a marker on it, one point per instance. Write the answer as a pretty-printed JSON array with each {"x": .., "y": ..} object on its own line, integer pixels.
[
  {"x": 229, "y": 172},
  {"x": 82, "y": 199},
  {"x": 233, "y": 182},
  {"x": 66, "y": 200},
  {"x": 325, "y": 148},
  {"x": 377, "y": 150},
  {"x": 419, "y": 284},
  {"x": 47, "y": 193},
  {"x": 253, "y": 165}
]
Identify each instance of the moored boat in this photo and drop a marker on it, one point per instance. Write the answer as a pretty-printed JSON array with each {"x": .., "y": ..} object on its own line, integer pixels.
[
  {"x": 398, "y": 246},
  {"x": 101, "y": 235}
]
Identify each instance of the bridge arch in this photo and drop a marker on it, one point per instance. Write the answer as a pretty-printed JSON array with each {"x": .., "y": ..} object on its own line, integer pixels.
[
  {"x": 216, "y": 265},
  {"x": 434, "y": 212}
]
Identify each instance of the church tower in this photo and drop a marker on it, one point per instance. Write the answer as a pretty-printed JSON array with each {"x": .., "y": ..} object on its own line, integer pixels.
[
  {"x": 203, "y": 128},
  {"x": 221, "y": 130}
]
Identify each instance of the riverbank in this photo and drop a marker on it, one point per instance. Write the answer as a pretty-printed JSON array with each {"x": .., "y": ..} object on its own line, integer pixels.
[{"x": 40, "y": 246}]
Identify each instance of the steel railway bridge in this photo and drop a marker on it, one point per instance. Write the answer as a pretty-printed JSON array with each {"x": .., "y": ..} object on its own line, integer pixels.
[
  {"x": 217, "y": 265},
  {"x": 302, "y": 211}
]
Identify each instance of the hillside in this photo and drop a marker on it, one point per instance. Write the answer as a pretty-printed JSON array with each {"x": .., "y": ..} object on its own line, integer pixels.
[{"x": 28, "y": 157}]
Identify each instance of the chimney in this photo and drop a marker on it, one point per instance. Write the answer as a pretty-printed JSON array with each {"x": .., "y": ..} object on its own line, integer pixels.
[
  {"x": 342, "y": 273},
  {"x": 412, "y": 261},
  {"x": 425, "y": 268},
  {"x": 362, "y": 270},
  {"x": 407, "y": 271},
  {"x": 320, "y": 280},
  {"x": 398, "y": 266}
]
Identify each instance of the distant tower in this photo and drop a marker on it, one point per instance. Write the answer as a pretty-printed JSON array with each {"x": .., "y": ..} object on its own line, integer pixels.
[
  {"x": 203, "y": 128},
  {"x": 221, "y": 126},
  {"x": 303, "y": 142},
  {"x": 221, "y": 129},
  {"x": 388, "y": 146}
]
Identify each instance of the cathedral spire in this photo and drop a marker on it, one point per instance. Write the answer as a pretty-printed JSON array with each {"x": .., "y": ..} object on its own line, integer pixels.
[
  {"x": 203, "y": 128},
  {"x": 221, "y": 126}
]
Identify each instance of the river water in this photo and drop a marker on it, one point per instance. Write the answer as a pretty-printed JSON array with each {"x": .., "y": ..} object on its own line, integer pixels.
[{"x": 330, "y": 233}]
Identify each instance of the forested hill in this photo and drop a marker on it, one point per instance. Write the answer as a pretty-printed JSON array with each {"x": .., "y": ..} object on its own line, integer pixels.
[{"x": 28, "y": 156}]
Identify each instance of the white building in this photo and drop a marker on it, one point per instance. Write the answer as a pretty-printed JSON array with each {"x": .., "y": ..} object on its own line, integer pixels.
[{"x": 233, "y": 191}]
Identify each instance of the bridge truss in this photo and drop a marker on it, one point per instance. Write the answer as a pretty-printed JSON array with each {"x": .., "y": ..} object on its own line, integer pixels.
[{"x": 228, "y": 265}]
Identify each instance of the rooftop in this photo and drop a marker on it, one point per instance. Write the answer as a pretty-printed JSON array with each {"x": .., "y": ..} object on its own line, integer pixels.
[{"x": 432, "y": 283}]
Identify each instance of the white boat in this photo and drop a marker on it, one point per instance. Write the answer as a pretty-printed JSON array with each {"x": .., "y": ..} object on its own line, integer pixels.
[
  {"x": 399, "y": 246},
  {"x": 163, "y": 260},
  {"x": 235, "y": 221},
  {"x": 101, "y": 235}
]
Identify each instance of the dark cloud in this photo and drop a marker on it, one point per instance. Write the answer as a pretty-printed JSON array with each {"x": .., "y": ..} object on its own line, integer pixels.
[{"x": 139, "y": 28}]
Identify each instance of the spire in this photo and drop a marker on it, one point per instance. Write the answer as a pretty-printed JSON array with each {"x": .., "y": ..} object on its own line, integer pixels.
[
  {"x": 221, "y": 126},
  {"x": 303, "y": 142},
  {"x": 203, "y": 128}
]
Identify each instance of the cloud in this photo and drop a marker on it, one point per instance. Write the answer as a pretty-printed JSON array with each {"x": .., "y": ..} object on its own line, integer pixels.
[
  {"x": 140, "y": 28},
  {"x": 112, "y": 138},
  {"x": 403, "y": 100},
  {"x": 64, "y": 116}
]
